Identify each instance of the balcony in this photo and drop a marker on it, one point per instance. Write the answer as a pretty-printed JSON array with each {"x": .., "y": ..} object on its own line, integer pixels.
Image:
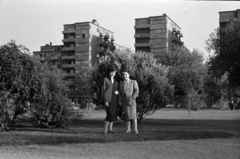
[
  {"x": 142, "y": 45},
  {"x": 83, "y": 47},
  {"x": 85, "y": 31},
  {"x": 68, "y": 57},
  {"x": 142, "y": 35},
  {"x": 68, "y": 40},
  {"x": 139, "y": 26},
  {"x": 68, "y": 31},
  {"x": 53, "y": 58},
  {"x": 69, "y": 74},
  {"x": 68, "y": 48},
  {"x": 82, "y": 40},
  {"x": 69, "y": 82},
  {"x": 176, "y": 39},
  {"x": 68, "y": 65}
]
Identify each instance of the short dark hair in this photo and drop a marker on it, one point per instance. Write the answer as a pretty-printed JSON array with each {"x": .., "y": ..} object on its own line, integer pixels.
[
  {"x": 111, "y": 68},
  {"x": 125, "y": 68}
]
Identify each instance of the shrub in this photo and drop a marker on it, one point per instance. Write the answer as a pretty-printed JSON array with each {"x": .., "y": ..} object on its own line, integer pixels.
[
  {"x": 51, "y": 106},
  {"x": 154, "y": 88}
]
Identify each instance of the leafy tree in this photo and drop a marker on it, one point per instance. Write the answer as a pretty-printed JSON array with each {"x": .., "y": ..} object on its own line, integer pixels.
[
  {"x": 51, "y": 106},
  {"x": 224, "y": 44},
  {"x": 82, "y": 80},
  {"x": 28, "y": 88},
  {"x": 19, "y": 80},
  {"x": 154, "y": 88},
  {"x": 187, "y": 73},
  {"x": 98, "y": 73}
]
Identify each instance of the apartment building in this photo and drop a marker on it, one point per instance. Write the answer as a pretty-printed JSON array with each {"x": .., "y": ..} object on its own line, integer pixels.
[
  {"x": 226, "y": 16},
  {"x": 81, "y": 48},
  {"x": 50, "y": 54},
  {"x": 156, "y": 34}
]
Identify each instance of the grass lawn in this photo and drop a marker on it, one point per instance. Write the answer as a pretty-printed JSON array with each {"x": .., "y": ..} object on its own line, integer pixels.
[{"x": 163, "y": 125}]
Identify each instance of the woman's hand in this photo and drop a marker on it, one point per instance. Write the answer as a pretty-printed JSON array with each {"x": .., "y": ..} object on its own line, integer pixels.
[
  {"x": 116, "y": 93},
  {"x": 106, "y": 104}
]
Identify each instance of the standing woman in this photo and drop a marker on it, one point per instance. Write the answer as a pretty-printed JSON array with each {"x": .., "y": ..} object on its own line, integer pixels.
[
  {"x": 110, "y": 99},
  {"x": 127, "y": 99}
]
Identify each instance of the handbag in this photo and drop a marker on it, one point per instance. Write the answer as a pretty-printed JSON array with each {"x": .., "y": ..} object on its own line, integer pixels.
[{"x": 120, "y": 112}]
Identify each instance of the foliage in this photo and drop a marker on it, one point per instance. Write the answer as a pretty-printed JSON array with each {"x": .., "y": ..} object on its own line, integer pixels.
[
  {"x": 154, "y": 89},
  {"x": 215, "y": 89},
  {"x": 51, "y": 106},
  {"x": 19, "y": 80},
  {"x": 187, "y": 72},
  {"x": 82, "y": 79},
  {"x": 28, "y": 88},
  {"x": 98, "y": 73},
  {"x": 225, "y": 46}
]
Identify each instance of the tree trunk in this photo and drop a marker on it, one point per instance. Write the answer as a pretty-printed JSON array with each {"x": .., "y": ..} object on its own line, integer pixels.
[
  {"x": 139, "y": 118},
  {"x": 189, "y": 106}
]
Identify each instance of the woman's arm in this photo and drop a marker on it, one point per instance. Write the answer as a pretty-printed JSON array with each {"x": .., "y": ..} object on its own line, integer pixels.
[
  {"x": 105, "y": 92},
  {"x": 120, "y": 94},
  {"x": 135, "y": 90}
]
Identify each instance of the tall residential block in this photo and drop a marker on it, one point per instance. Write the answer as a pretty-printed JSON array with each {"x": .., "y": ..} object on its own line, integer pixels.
[
  {"x": 226, "y": 16},
  {"x": 156, "y": 34},
  {"x": 80, "y": 49}
]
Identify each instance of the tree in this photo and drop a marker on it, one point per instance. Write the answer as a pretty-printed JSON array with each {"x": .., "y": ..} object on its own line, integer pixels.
[
  {"x": 187, "y": 73},
  {"x": 51, "y": 106},
  {"x": 154, "y": 88},
  {"x": 28, "y": 88},
  {"x": 19, "y": 80},
  {"x": 225, "y": 46},
  {"x": 98, "y": 73}
]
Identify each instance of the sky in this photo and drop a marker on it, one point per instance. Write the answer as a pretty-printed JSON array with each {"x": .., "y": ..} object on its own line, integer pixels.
[{"x": 34, "y": 23}]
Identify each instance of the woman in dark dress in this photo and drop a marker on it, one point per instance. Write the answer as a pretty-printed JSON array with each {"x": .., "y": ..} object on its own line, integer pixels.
[{"x": 110, "y": 99}]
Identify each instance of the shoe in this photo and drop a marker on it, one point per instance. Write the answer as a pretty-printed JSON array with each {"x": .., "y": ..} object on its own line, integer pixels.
[
  {"x": 105, "y": 133},
  {"x": 128, "y": 131},
  {"x": 136, "y": 132},
  {"x": 112, "y": 132}
]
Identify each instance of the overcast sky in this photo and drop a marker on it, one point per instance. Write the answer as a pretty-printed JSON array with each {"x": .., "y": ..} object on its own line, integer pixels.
[{"x": 35, "y": 23}]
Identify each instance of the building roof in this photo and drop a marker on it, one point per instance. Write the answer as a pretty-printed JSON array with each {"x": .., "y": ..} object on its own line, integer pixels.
[
  {"x": 89, "y": 23},
  {"x": 230, "y": 11},
  {"x": 164, "y": 15}
]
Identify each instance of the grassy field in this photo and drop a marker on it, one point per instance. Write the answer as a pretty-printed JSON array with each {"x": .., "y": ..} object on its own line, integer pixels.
[{"x": 166, "y": 124}]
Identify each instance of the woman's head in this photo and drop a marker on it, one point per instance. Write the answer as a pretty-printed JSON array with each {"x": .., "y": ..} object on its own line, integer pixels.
[
  {"x": 111, "y": 71},
  {"x": 125, "y": 75}
]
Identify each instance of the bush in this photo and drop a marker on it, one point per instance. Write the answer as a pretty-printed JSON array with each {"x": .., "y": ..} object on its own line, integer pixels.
[
  {"x": 19, "y": 80},
  {"x": 51, "y": 107},
  {"x": 154, "y": 88}
]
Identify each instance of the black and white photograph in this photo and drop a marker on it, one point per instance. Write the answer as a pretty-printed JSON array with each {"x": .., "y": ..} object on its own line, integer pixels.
[{"x": 119, "y": 79}]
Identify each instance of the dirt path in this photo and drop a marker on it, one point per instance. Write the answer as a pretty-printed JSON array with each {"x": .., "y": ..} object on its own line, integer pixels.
[{"x": 175, "y": 149}]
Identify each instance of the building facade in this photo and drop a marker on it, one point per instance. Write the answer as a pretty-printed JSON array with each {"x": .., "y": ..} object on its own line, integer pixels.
[
  {"x": 50, "y": 54},
  {"x": 80, "y": 49},
  {"x": 226, "y": 16},
  {"x": 156, "y": 34}
]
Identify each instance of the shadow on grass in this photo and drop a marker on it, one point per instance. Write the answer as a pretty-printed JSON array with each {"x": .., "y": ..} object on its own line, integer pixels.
[{"x": 90, "y": 131}]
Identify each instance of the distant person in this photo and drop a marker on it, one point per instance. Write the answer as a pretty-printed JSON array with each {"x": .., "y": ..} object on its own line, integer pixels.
[
  {"x": 128, "y": 92},
  {"x": 110, "y": 99},
  {"x": 231, "y": 105}
]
